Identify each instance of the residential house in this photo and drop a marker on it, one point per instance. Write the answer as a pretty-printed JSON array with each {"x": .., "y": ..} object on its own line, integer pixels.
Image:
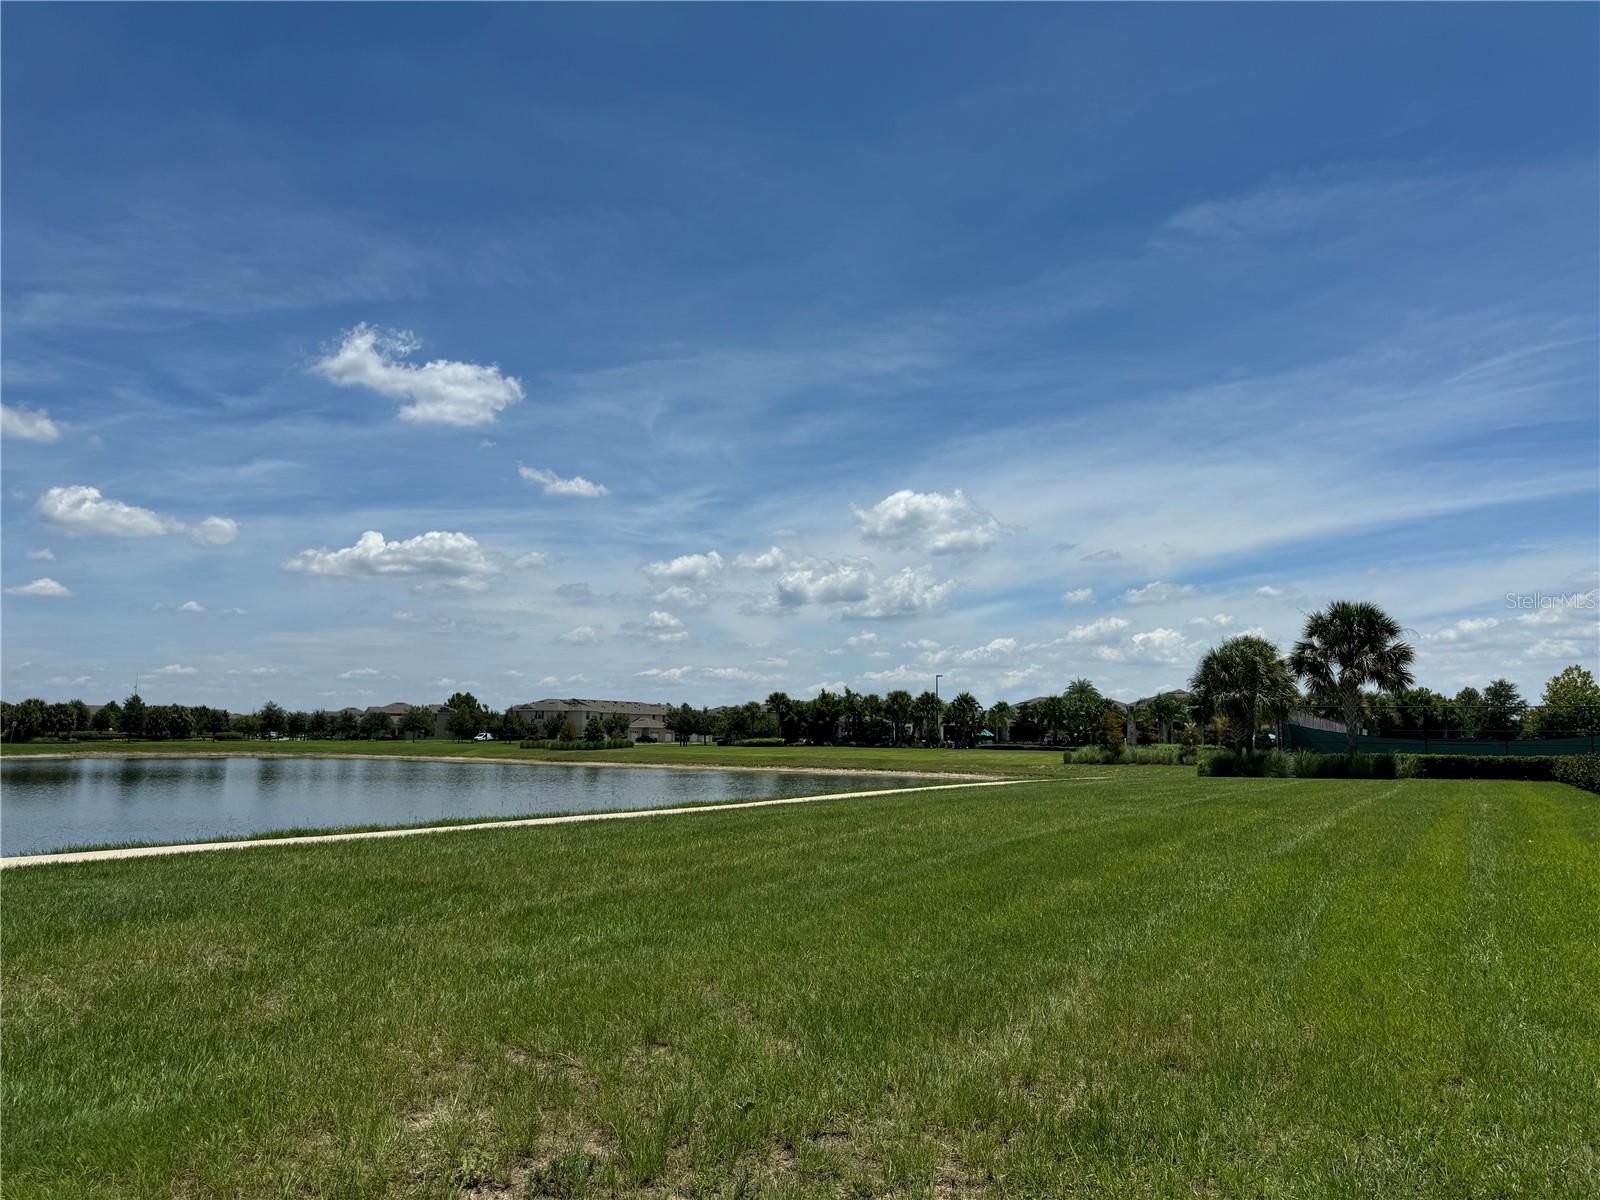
[{"x": 644, "y": 720}]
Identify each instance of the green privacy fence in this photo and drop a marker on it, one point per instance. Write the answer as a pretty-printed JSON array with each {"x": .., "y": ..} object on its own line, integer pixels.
[{"x": 1322, "y": 741}]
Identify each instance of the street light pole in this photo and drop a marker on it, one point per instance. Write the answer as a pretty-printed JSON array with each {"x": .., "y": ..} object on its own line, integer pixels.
[{"x": 936, "y": 679}]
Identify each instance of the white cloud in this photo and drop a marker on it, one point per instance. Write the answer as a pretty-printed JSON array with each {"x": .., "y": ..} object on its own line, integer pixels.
[
  {"x": 549, "y": 681},
  {"x": 455, "y": 559},
  {"x": 1268, "y": 591},
  {"x": 820, "y": 581},
  {"x": 582, "y": 635},
  {"x": 175, "y": 669},
  {"x": 1161, "y": 645},
  {"x": 440, "y": 392},
  {"x": 43, "y": 586},
  {"x": 1098, "y": 556},
  {"x": 897, "y": 675},
  {"x": 908, "y": 590},
  {"x": 191, "y": 606},
  {"x": 263, "y": 670},
  {"x": 360, "y": 673},
  {"x": 533, "y": 558},
  {"x": 1463, "y": 629},
  {"x": 773, "y": 559},
  {"x": 1078, "y": 596},
  {"x": 694, "y": 568},
  {"x": 664, "y": 627},
  {"x": 42, "y": 554},
  {"x": 555, "y": 485},
  {"x": 1157, "y": 593},
  {"x": 862, "y": 639},
  {"x": 671, "y": 674},
  {"x": 83, "y": 509},
  {"x": 939, "y": 523},
  {"x": 837, "y": 685},
  {"x": 28, "y": 425},
  {"x": 1215, "y": 621},
  {"x": 1097, "y": 631},
  {"x": 684, "y": 597}
]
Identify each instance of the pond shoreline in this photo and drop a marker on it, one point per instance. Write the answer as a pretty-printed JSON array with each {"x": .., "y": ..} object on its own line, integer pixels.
[{"x": 140, "y": 755}]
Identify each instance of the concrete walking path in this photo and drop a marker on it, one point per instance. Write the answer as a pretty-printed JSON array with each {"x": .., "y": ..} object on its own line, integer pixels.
[{"x": 84, "y": 856}]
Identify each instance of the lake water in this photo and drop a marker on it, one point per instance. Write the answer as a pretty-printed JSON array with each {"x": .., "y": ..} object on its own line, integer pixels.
[{"x": 46, "y": 804}]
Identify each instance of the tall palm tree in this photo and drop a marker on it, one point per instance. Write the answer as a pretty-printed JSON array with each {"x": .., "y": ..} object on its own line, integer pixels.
[
  {"x": 1243, "y": 679},
  {"x": 1348, "y": 647},
  {"x": 1166, "y": 708},
  {"x": 898, "y": 707},
  {"x": 1000, "y": 716}
]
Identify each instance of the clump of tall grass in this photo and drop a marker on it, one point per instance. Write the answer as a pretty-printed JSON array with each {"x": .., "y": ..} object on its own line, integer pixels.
[{"x": 1163, "y": 754}]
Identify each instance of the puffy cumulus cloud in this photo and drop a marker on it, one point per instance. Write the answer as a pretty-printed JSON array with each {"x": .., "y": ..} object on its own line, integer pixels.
[
  {"x": 820, "y": 581},
  {"x": 175, "y": 669},
  {"x": 1269, "y": 591},
  {"x": 662, "y": 626},
  {"x": 666, "y": 674},
  {"x": 43, "y": 586},
  {"x": 581, "y": 635},
  {"x": 909, "y": 590},
  {"x": 1078, "y": 596},
  {"x": 833, "y": 685},
  {"x": 83, "y": 509},
  {"x": 933, "y": 654},
  {"x": 688, "y": 568},
  {"x": 1215, "y": 621},
  {"x": 28, "y": 425},
  {"x": 1160, "y": 646},
  {"x": 1017, "y": 675},
  {"x": 938, "y": 523},
  {"x": 897, "y": 675},
  {"x": 440, "y": 392},
  {"x": 42, "y": 554},
  {"x": 191, "y": 606},
  {"x": 1157, "y": 593},
  {"x": 772, "y": 559},
  {"x": 866, "y": 638},
  {"x": 555, "y": 485},
  {"x": 449, "y": 559},
  {"x": 683, "y": 596},
  {"x": 530, "y": 560},
  {"x": 1102, "y": 630}
]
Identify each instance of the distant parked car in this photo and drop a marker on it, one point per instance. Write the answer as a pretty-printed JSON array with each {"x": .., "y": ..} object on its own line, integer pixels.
[{"x": 485, "y": 736}]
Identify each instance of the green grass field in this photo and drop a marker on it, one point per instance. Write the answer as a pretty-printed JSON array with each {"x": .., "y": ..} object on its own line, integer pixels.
[
  {"x": 1016, "y": 764},
  {"x": 1157, "y": 985}
]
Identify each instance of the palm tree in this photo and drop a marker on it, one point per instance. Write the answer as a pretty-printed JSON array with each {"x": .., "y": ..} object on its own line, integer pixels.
[
  {"x": 1166, "y": 708},
  {"x": 898, "y": 706},
  {"x": 1000, "y": 718},
  {"x": 1051, "y": 713},
  {"x": 1243, "y": 678},
  {"x": 1348, "y": 647},
  {"x": 1084, "y": 708},
  {"x": 782, "y": 710},
  {"x": 929, "y": 711},
  {"x": 964, "y": 719}
]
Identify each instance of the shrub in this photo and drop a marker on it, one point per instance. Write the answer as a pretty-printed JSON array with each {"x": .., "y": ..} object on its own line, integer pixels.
[
  {"x": 95, "y": 735},
  {"x": 760, "y": 742},
  {"x": 575, "y": 744},
  {"x": 1165, "y": 754},
  {"x": 228, "y": 735},
  {"x": 1580, "y": 770},
  {"x": 1307, "y": 764}
]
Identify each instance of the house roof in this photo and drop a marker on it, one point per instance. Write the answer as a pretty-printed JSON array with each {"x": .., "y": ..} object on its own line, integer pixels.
[{"x": 632, "y": 707}]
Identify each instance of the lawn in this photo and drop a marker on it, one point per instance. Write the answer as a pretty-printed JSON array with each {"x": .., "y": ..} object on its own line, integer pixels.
[
  {"x": 1016, "y": 764},
  {"x": 1154, "y": 985}
]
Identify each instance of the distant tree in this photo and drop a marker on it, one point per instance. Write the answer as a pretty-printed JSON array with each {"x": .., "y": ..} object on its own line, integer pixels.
[
  {"x": 1085, "y": 707},
  {"x": 80, "y": 714},
  {"x": 58, "y": 719},
  {"x": 420, "y": 722},
  {"x": 898, "y": 706},
  {"x": 297, "y": 724},
  {"x": 1111, "y": 736},
  {"x": 1000, "y": 716},
  {"x": 1503, "y": 710},
  {"x": 1570, "y": 706},
  {"x": 595, "y": 730},
  {"x": 272, "y": 719},
  {"x": 1242, "y": 680},
  {"x": 964, "y": 719},
  {"x": 246, "y": 725},
  {"x": 617, "y": 725},
  {"x": 851, "y": 713},
  {"x": 1166, "y": 709},
  {"x": 178, "y": 721},
  {"x": 1348, "y": 647},
  {"x": 106, "y": 717},
  {"x": 467, "y": 717},
  {"x": 1467, "y": 708},
  {"x": 928, "y": 713},
  {"x": 553, "y": 725},
  {"x": 782, "y": 710},
  {"x": 1051, "y": 715},
  {"x": 133, "y": 710},
  {"x": 346, "y": 724},
  {"x": 372, "y": 725},
  {"x": 321, "y": 724},
  {"x": 823, "y": 716},
  {"x": 872, "y": 718}
]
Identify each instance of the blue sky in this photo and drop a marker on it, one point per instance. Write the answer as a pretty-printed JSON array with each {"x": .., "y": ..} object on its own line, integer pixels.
[{"x": 361, "y": 353}]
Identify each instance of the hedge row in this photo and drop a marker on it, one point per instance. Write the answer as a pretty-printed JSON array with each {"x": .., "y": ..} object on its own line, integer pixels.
[
  {"x": 760, "y": 742},
  {"x": 1168, "y": 754},
  {"x": 1307, "y": 764},
  {"x": 575, "y": 744},
  {"x": 1580, "y": 770}
]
